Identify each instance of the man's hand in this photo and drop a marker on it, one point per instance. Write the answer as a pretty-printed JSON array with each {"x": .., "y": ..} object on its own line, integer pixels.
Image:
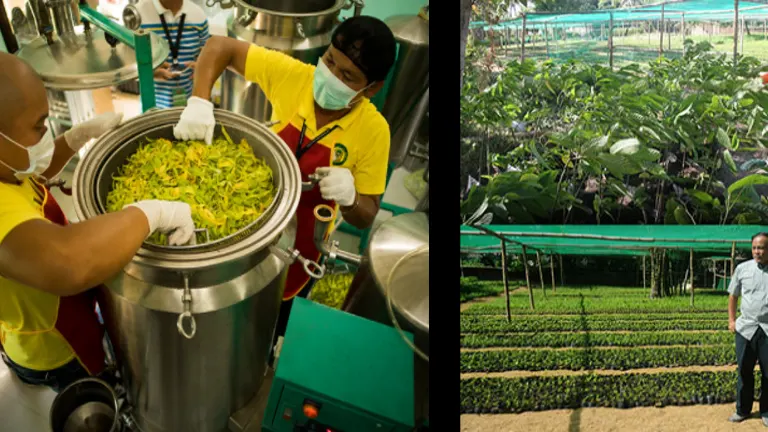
[
  {"x": 338, "y": 185},
  {"x": 196, "y": 122},
  {"x": 732, "y": 326},
  {"x": 80, "y": 134},
  {"x": 168, "y": 217},
  {"x": 190, "y": 65},
  {"x": 164, "y": 72}
]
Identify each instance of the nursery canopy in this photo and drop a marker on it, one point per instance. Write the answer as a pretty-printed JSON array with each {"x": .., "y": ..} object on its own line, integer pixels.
[{"x": 637, "y": 240}]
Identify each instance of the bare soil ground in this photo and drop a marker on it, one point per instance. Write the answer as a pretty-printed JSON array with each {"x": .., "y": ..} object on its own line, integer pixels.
[
  {"x": 700, "y": 418},
  {"x": 584, "y": 348},
  {"x": 466, "y": 305}
]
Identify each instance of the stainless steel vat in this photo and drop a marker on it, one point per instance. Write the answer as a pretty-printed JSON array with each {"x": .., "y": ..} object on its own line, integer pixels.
[
  {"x": 193, "y": 325},
  {"x": 301, "y": 29},
  {"x": 408, "y": 97},
  {"x": 395, "y": 268}
]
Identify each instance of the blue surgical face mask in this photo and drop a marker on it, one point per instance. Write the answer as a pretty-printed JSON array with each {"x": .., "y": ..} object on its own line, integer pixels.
[
  {"x": 40, "y": 156},
  {"x": 329, "y": 91}
]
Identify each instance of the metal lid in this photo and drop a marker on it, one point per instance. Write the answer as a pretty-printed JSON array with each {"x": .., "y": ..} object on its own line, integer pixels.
[
  {"x": 399, "y": 262},
  {"x": 83, "y": 62},
  {"x": 411, "y": 29}
]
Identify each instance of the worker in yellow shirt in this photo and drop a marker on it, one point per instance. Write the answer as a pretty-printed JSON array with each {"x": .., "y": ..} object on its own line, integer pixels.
[
  {"x": 49, "y": 330},
  {"x": 325, "y": 116}
]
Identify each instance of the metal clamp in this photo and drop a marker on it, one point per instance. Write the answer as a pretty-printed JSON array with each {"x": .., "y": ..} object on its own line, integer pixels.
[
  {"x": 330, "y": 260},
  {"x": 290, "y": 256},
  {"x": 313, "y": 180},
  {"x": 300, "y": 30},
  {"x": 186, "y": 299},
  {"x": 358, "y": 4}
]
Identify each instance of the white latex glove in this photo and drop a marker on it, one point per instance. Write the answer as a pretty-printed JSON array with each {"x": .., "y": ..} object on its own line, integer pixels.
[
  {"x": 80, "y": 134},
  {"x": 338, "y": 185},
  {"x": 168, "y": 217},
  {"x": 196, "y": 122}
]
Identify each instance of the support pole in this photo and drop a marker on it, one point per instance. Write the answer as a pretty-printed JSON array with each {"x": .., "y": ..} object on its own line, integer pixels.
[
  {"x": 765, "y": 29},
  {"x": 661, "y": 32},
  {"x": 644, "y": 277},
  {"x": 610, "y": 41},
  {"x": 546, "y": 38},
  {"x": 552, "y": 270},
  {"x": 743, "y": 27},
  {"x": 691, "y": 275},
  {"x": 735, "y": 31},
  {"x": 733, "y": 258},
  {"x": 505, "y": 278},
  {"x": 683, "y": 25},
  {"x": 528, "y": 278},
  {"x": 562, "y": 277},
  {"x": 541, "y": 272},
  {"x": 714, "y": 275},
  {"x": 669, "y": 35},
  {"x": 522, "y": 40}
]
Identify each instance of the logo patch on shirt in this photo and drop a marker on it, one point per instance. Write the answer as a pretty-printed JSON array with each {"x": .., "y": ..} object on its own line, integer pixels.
[{"x": 340, "y": 154}]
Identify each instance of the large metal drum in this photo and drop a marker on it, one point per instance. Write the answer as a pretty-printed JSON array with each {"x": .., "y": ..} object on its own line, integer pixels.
[
  {"x": 398, "y": 266},
  {"x": 299, "y": 28},
  {"x": 229, "y": 289}
]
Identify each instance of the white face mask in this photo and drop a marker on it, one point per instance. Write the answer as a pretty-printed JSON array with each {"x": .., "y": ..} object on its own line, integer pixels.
[
  {"x": 40, "y": 156},
  {"x": 330, "y": 92}
]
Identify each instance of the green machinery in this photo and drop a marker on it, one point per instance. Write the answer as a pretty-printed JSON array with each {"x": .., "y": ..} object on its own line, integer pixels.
[
  {"x": 89, "y": 59},
  {"x": 338, "y": 372}
]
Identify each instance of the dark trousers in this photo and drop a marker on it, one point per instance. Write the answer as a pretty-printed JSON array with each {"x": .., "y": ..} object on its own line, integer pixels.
[
  {"x": 57, "y": 379},
  {"x": 749, "y": 352}
]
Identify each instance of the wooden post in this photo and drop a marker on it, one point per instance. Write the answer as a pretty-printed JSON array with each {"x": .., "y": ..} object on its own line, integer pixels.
[
  {"x": 562, "y": 277},
  {"x": 669, "y": 36},
  {"x": 552, "y": 270},
  {"x": 610, "y": 41},
  {"x": 505, "y": 278},
  {"x": 522, "y": 40},
  {"x": 528, "y": 278},
  {"x": 644, "y": 277},
  {"x": 546, "y": 37},
  {"x": 661, "y": 32},
  {"x": 714, "y": 275},
  {"x": 541, "y": 272},
  {"x": 735, "y": 31},
  {"x": 733, "y": 258},
  {"x": 765, "y": 29},
  {"x": 743, "y": 27},
  {"x": 691, "y": 275}
]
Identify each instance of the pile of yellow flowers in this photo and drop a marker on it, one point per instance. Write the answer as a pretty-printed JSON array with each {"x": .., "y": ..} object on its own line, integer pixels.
[{"x": 226, "y": 185}]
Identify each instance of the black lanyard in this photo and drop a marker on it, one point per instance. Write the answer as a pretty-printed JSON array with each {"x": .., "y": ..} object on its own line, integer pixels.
[
  {"x": 300, "y": 151},
  {"x": 174, "y": 49}
]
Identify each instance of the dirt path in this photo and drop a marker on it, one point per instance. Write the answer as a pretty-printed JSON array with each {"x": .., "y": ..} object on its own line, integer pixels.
[
  {"x": 523, "y": 374},
  {"x": 700, "y": 418},
  {"x": 466, "y": 305},
  {"x": 591, "y": 332},
  {"x": 584, "y": 348}
]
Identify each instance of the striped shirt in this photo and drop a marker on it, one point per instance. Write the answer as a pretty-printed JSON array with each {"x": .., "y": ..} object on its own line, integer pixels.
[{"x": 193, "y": 38}]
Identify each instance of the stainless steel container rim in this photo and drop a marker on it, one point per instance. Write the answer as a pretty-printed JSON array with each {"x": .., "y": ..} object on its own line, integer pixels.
[
  {"x": 395, "y": 292},
  {"x": 260, "y": 239},
  {"x": 338, "y": 5},
  {"x": 67, "y": 390}
]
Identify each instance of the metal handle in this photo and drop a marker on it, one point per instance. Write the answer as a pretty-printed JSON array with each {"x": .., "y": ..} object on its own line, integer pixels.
[
  {"x": 290, "y": 256},
  {"x": 359, "y": 5},
  {"x": 186, "y": 299},
  {"x": 300, "y": 30}
]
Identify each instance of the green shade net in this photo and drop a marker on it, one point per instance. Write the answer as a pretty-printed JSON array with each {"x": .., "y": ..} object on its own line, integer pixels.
[{"x": 610, "y": 240}]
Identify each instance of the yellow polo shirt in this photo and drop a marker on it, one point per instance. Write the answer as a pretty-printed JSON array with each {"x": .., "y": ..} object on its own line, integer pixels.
[
  {"x": 360, "y": 143},
  {"x": 28, "y": 316}
]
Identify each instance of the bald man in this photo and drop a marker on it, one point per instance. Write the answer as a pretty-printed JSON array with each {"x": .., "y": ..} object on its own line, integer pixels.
[{"x": 49, "y": 332}]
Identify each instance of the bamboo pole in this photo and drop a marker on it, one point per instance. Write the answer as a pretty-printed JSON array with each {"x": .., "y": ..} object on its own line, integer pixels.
[
  {"x": 691, "y": 275},
  {"x": 528, "y": 278},
  {"x": 546, "y": 37},
  {"x": 541, "y": 272},
  {"x": 610, "y": 41},
  {"x": 522, "y": 40},
  {"x": 683, "y": 33},
  {"x": 505, "y": 278},
  {"x": 735, "y": 31},
  {"x": 733, "y": 256},
  {"x": 714, "y": 275},
  {"x": 743, "y": 27},
  {"x": 661, "y": 32},
  {"x": 562, "y": 276},
  {"x": 644, "y": 276},
  {"x": 603, "y": 237},
  {"x": 552, "y": 270}
]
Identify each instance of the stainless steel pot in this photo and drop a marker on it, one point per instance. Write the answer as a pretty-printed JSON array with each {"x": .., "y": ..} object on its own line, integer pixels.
[
  {"x": 193, "y": 325},
  {"x": 392, "y": 285},
  {"x": 86, "y": 405},
  {"x": 301, "y": 29}
]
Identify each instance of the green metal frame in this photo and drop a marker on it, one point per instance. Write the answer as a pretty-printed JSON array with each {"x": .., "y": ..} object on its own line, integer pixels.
[{"x": 140, "y": 42}]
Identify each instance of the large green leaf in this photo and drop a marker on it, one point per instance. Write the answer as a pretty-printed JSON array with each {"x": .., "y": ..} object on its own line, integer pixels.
[
  {"x": 723, "y": 140},
  {"x": 728, "y": 159},
  {"x": 619, "y": 165},
  {"x": 750, "y": 180},
  {"x": 626, "y": 146}
]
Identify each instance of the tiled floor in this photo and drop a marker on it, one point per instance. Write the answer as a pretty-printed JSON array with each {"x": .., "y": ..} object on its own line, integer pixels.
[{"x": 22, "y": 408}]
